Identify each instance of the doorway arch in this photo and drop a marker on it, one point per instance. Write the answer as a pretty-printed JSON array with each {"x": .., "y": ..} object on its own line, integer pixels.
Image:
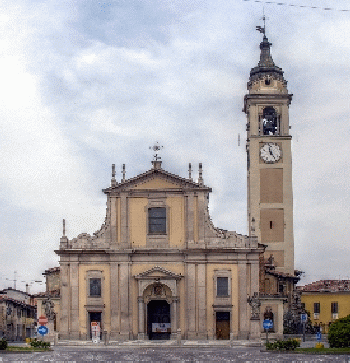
[
  {"x": 158, "y": 284},
  {"x": 158, "y": 320}
]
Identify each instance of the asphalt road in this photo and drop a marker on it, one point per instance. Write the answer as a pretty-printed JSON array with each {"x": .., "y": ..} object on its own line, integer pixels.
[{"x": 166, "y": 354}]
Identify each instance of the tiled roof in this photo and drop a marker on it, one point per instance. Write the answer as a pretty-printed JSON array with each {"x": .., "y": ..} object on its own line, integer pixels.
[{"x": 327, "y": 285}]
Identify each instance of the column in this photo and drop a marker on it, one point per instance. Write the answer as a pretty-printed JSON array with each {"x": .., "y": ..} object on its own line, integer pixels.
[
  {"x": 141, "y": 335},
  {"x": 174, "y": 317}
]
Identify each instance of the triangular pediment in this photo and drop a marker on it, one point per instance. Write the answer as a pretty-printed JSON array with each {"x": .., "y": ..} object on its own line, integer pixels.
[
  {"x": 158, "y": 272},
  {"x": 157, "y": 179},
  {"x": 157, "y": 183}
]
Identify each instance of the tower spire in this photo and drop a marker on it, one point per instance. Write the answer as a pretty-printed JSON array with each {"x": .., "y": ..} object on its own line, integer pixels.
[{"x": 266, "y": 65}]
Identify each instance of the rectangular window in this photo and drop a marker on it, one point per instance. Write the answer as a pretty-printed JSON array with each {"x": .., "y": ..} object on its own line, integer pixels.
[
  {"x": 222, "y": 286},
  {"x": 95, "y": 287},
  {"x": 317, "y": 308},
  {"x": 334, "y": 308},
  {"x": 157, "y": 220}
]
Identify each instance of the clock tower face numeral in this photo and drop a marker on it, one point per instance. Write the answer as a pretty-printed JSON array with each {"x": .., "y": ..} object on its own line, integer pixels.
[{"x": 270, "y": 153}]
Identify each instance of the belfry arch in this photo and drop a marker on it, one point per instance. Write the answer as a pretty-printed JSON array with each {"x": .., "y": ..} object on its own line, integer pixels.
[{"x": 158, "y": 304}]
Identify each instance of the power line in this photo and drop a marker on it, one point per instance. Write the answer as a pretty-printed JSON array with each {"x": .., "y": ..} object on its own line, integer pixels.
[{"x": 296, "y": 6}]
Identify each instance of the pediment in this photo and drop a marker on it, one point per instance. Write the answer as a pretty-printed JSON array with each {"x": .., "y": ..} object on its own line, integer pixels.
[
  {"x": 156, "y": 179},
  {"x": 158, "y": 273},
  {"x": 157, "y": 183}
]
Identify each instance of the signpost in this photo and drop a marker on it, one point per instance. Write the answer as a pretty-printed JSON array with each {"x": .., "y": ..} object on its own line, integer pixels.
[
  {"x": 267, "y": 325},
  {"x": 43, "y": 320},
  {"x": 303, "y": 318},
  {"x": 42, "y": 330}
]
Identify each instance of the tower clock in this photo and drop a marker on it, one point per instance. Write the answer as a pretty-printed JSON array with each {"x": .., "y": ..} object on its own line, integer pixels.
[{"x": 269, "y": 160}]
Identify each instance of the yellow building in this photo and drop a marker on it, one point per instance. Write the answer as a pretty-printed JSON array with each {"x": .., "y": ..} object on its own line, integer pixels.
[
  {"x": 326, "y": 301},
  {"x": 158, "y": 268}
]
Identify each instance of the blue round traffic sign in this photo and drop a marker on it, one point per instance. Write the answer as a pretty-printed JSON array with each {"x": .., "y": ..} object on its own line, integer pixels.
[
  {"x": 42, "y": 330},
  {"x": 267, "y": 324}
]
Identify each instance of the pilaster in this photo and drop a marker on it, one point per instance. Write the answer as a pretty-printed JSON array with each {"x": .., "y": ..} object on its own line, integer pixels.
[
  {"x": 243, "y": 332},
  {"x": 74, "y": 301}
]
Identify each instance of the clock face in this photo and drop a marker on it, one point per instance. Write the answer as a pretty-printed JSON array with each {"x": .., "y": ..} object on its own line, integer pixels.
[{"x": 270, "y": 152}]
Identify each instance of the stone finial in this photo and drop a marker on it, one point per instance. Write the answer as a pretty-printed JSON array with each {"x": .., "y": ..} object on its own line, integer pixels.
[
  {"x": 64, "y": 228},
  {"x": 113, "y": 180},
  {"x": 200, "y": 176},
  {"x": 252, "y": 231},
  {"x": 190, "y": 171},
  {"x": 123, "y": 172}
]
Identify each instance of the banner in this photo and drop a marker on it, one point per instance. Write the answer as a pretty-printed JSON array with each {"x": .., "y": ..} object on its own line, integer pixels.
[{"x": 161, "y": 328}]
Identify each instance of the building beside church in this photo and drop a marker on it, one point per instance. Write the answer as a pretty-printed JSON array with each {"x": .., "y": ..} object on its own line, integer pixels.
[
  {"x": 17, "y": 315},
  {"x": 326, "y": 301},
  {"x": 158, "y": 267}
]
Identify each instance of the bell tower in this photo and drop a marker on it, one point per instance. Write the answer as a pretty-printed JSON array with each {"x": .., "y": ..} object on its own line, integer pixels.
[{"x": 269, "y": 160}]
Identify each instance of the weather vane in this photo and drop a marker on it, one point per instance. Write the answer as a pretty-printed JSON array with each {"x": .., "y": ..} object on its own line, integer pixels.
[
  {"x": 156, "y": 147},
  {"x": 259, "y": 28}
]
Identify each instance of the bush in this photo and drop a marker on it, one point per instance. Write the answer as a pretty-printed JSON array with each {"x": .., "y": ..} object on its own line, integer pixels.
[
  {"x": 339, "y": 333},
  {"x": 39, "y": 344},
  {"x": 289, "y": 344},
  {"x": 3, "y": 344}
]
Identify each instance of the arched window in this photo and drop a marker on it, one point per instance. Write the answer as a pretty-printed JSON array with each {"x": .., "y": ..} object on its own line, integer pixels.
[{"x": 270, "y": 121}]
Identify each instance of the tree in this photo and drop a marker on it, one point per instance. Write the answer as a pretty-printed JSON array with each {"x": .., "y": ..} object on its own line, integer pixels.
[{"x": 339, "y": 333}]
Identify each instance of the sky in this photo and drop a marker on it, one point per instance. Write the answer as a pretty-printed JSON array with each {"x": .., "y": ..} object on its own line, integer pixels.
[{"x": 87, "y": 83}]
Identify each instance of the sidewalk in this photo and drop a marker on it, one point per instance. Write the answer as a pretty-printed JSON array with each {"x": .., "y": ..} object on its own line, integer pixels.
[{"x": 161, "y": 343}]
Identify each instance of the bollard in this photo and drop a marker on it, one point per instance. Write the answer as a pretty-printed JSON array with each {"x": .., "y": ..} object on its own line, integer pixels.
[{"x": 178, "y": 336}]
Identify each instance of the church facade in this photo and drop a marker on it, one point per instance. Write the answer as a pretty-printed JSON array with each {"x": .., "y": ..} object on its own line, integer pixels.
[{"x": 159, "y": 269}]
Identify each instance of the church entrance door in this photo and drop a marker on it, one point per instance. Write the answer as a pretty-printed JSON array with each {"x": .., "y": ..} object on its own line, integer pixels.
[
  {"x": 222, "y": 325},
  {"x": 158, "y": 320}
]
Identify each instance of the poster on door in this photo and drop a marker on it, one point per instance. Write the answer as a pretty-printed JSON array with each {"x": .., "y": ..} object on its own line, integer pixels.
[
  {"x": 95, "y": 331},
  {"x": 161, "y": 328}
]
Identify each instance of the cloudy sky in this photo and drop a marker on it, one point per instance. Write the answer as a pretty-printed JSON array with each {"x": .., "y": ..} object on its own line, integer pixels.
[{"x": 87, "y": 83}]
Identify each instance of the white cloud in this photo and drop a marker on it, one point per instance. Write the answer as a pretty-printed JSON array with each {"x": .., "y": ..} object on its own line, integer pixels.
[{"x": 99, "y": 85}]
